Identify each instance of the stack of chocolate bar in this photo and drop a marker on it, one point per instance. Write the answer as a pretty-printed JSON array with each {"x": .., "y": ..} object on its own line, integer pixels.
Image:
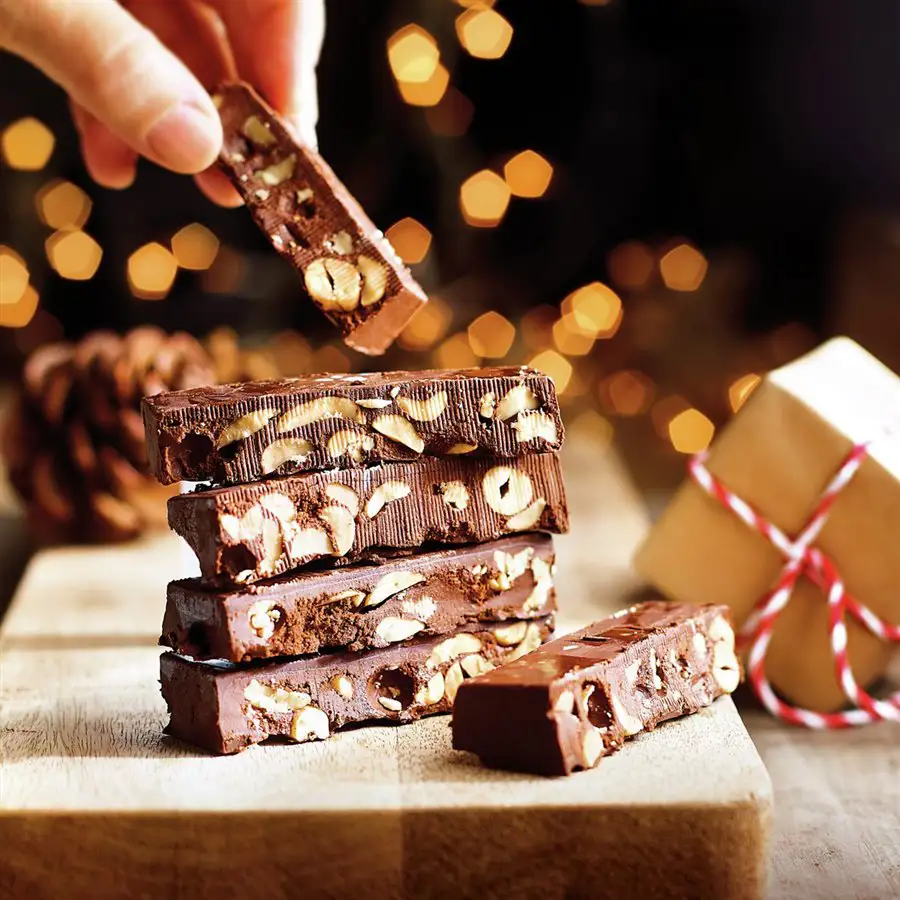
[{"x": 371, "y": 542}]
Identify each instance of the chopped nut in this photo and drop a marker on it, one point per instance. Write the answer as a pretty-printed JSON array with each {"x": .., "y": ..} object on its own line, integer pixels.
[
  {"x": 479, "y": 570},
  {"x": 335, "y": 283},
  {"x": 528, "y": 518},
  {"x": 565, "y": 702},
  {"x": 529, "y": 426},
  {"x": 424, "y": 410},
  {"x": 531, "y": 641},
  {"x": 726, "y": 669},
  {"x": 631, "y": 672},
  {"x": 375, "y": 402},
  {"x": 273, "y": 175},
  {"x": 343, "y": 686},
  {"x": 284, "y": 450},
  {"x": 217, "y": 100},
  {"x": 510, "y": 635},
  {"x": 340, "y": 242},
  {"x": 273, "y": 545},
  {"x": 475, "y": 665},
  {"x": 390, "y": 703},
  {"x": 309, "y": 542},
  {"x": 344, "y": 495},
  {"x": 386, "y": 493},
  {"x": 343, "y": 527},
  {"x": 263, "y": 616},
  {"x": 392, "y": 629},
  {"x": 423, "y": 608},
  {"x": 487, "y": 405},
  {"x": 258, "y": 132},
  {"x": 248, "y": 527},
  {"x": 374, "y": 278},
  {"x": 630, "y": 724},
  {"x": 591, "y": 746},
  {"x": 543, "y": 584},
  {"x": 318, "y": 409},
  {"x": 720, "y": 630},
  {"x": 458, "y": 449},
  {"x": 400, "y": 430},
  {"x": 458, "y": 645},
  {"x": 310, "y": 724},
  {"x": 654, "y": 668},
  {"x": 274, "y": 700},
  {"x": 453, "y": 678},
  {"x": 514, "y": 401},
  {"x": 245, "y": 426},
  {"x": 507, "y": 491},
  {"x": 354, "y": 443},
  {"x": 391, "y": 584},
  {"x": 354, "y": 596},
  {"x": 262, "y": 195},
  {"x": 433, "y": 691},
  {"x": 455, "y": 494},
  {"x": 395, "y": 390},
  {"x": 699, "y": 643},
  {"x": 280, "y": 505},
  {"x": 304, "y": 195},
  {"x": 509, "y": 568}
]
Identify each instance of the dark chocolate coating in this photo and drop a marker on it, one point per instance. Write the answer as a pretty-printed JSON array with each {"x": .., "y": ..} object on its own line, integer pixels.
[
  {"x": 248, "y": 532},
  {"x": 317, "y": 610},
  {"x": 222, "y": 434},
  {"x": 209, "y": 706},
  {"x": 301, "y": 215},
  {"x": 576, "y": 699}
]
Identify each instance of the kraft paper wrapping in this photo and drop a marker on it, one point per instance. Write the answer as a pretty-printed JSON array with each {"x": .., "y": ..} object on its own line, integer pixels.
[{"x": 778, "y": 454}]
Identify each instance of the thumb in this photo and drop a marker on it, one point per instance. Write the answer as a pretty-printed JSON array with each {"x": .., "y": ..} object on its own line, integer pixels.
[{"x": 118, "y": 71}]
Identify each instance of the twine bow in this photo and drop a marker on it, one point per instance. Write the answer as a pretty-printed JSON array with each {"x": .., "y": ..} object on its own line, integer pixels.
[{"x": 802, "y": 558}]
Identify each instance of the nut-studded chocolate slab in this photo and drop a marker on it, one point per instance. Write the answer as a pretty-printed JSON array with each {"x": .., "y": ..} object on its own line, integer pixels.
[
  {"x": 349, "y": 268},
  {"x": 223, "y": 707},
  {"x": 363, "y": 606},
  {"x": 248, "y": 532},
  {"x": 243, "y": 432},
  {"x": 579, "y": 697}
]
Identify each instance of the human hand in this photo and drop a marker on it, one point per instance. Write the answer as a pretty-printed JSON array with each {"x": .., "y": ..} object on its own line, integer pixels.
[{"x": 138, "y": 73}]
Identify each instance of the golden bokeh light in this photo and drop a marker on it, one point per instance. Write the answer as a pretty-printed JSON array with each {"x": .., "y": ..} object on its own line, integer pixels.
[
  {"x": 475, "y": 4},
  {"x": 427, "y": 326},
  {"x": 484, "y": 33},
  {"x": 74, "y": 254},
  {"x": 13, "y": 276},
  {"x": 556, "y": 366},
  {"x": 627, "y": 393},
  {"x": 536, "y": 326},
  {"x": 452, "y": 116},
  {"x": 591, "y": 427},
  {"x": 27, "y": 145},
  {"x": 631, "y": 264},
  {"x": 570, "y": 338},
  {"x": 528, "y": 174},
  {"x": 690, "y": 431},
  {"x": 18, "y": 313},
  {"x": 63, "y": 205},
  {"x": 195, "y": 247},
  {"x": 741, "y": 389},
  {"x": 664, "y": 410},
  {"x": 596, "y": 309},
  {"x": 455, "y": 353},
  {"x": 683, "y": 268},
  {"x": 491, "y": 335},
  {"x": 426, "y": 93},
  {"x": 151, "y": 272},
  {"x": 483, "y": 199},
  {"x": 413, "y": 55},
  {"x": 411, "y": 240}
]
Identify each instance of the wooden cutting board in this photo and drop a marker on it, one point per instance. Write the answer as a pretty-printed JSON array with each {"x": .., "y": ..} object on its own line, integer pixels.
[{"x": 94, "y": 801}]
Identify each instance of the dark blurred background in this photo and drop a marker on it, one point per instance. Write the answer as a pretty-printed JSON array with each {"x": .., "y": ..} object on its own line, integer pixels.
[{"x": 654, "y": 202}]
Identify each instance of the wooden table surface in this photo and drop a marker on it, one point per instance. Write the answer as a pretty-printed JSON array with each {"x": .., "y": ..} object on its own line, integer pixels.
[{"x": 837, "y": 795}]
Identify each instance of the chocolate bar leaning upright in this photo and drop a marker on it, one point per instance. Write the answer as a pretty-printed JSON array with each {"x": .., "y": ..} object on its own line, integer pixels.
[
  {"x": 350, "y": 270},
  {"x": 243, "y": 432},
  {"x": 248, "y": 532},
  {"x": 577, "y": 698}
]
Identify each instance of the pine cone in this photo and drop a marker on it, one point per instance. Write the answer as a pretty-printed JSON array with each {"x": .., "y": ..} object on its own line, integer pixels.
[{"x": 74, "y": 439}]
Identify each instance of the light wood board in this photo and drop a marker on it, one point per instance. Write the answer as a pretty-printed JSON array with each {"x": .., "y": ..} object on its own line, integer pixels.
[{"x": 94, "y": 801}]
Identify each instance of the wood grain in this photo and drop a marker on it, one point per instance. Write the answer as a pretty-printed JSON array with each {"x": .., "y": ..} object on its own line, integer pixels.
[{"x": 96, "y": 802}]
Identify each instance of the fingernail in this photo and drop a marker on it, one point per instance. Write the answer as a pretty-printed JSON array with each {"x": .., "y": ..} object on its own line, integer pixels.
[{"x": 186, "y": 139}]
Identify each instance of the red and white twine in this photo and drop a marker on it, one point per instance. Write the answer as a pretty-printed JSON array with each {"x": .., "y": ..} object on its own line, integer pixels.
[{"x": 804, "y": 559}]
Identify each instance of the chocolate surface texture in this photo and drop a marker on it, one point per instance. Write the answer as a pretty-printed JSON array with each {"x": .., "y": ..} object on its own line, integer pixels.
[
  {"x": 364, "y": 606},
  {"x": 244, "y": 432},
  {"x": 224, "y": 708},
  {"x": 244, "y": 533},
  {"x": 575, "y": 700},
  {"x": 349, "y": 269}
]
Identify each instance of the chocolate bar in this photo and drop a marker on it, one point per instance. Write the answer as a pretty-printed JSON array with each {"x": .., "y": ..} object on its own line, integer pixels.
[
  {"x": 244, "y": 533},
  {"x": 576, "y": 699},
  {"x": 349, "y": 268},
  {"x": 243, "y": 432},
  {"x": 223, "y": 707},
  {"x": 360, "y": 607}
]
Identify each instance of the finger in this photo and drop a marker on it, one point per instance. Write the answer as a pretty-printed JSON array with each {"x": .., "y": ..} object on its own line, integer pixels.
[
  {"x": 216, "y": 187},
  {"x": 108, "y": 159},
  {"x": 291, "y": 31},
  {"x": 119, "y": 72}
]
